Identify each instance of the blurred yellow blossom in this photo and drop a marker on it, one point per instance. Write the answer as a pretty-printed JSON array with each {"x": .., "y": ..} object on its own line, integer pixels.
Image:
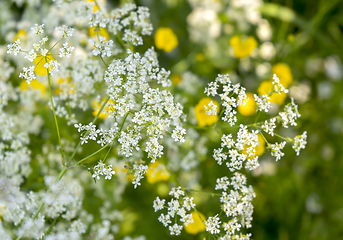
[
  {"x": 70, "y": 89},
  {"x": 260, "y": 149},
  {"x": 197, "y": 226},
  {"x": 284, "y": 73},
  {"x": 102, "y": 32},
  {"x": 97, "y": 105},
  {"x": 40, "y": 61},
  {"x": 175, "y": 78},
  {"x": 266, "y": 88},
  {"x": 95, "y": 7},
  {"x": 35, "y": 84},
  {"x": 200, "y": 113},
  {"x": 165, "y": 39},
  {"x": 20, "y": 35},
  {"x": 200, "y": 57},
  {"x": 243, "y": 48},
  {"x": 157, "y": 172},
  {"x": 248, "y": 109}
]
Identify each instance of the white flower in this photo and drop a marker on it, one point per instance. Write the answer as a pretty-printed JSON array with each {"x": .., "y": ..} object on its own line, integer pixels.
[
  {"x": 300, "y": 142},
  {"x": 102, "y": 47},
  {"x": 211, "y": 109},
  {"x": 102, "y": 169},
  {"x": 65, "y": 31},
  {"x": 38, "y": 29},
  {"x": 269, "y": 127},
  {"x": 175, "y": 229},
  {"x": 158, "y": 204},
  {"x": 177, "y": 192},
  {"x": 212, "y": 224},
  {"x": 52, "y": 66},
  {"x": 14, "y": 47},
  {"x": 276, "y": 150},
  {"x": 66, "y": 50},
  {"x": 31, "y": 55},
  {"x": 178, "y": 133},
  {"x": 277, "y": 87},
  {"x": 28, "y": 74},
  {"x": 263, "y": 103},
  {"x": 290, "y": 114}
]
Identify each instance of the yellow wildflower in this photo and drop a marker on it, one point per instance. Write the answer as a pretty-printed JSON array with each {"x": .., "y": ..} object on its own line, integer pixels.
[
  {"x": 284, "y": 73},
  {"x": 70, "y": 89},
  {"x": 35, "y": 84},
  {"x": 200, "y": 57},
  {"x": 266, "y": 87},
  {"x": 243, "y": 48},
  {"x": 95, "y": 7},
  {"x": 260, "y": 149},
  {"x": 40, "y": 62},
  {"x": 248, "y": 109},
  {"x": 101, "y": 31},
  {"x": 197, "y": 226},
  {"x": 97, "y": 105},
  {"x": 175, "y": 78},
  {"x": 157, "y": 172},
  {"x": 21, "y": 34},
  {"x": 200, "y": 113},
  {"x": 166, "y": 39}
]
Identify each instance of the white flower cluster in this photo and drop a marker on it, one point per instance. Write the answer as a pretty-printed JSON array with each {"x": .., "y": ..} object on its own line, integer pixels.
[
  {"x": 236, "y": 203},
  {"x": 277, "y": 150},
  {"x": 14, "y": 48},
  {"x": 38, "y": 29},
  {"x": 138, "y": 173},
  {"x": 229, "y": 102},
  {"x": 239, "y": 151},
  {"x": 65, "y": 31},
  {"x": 28, "y": 74},
  {"x": 263, "y": 103},
  {"x": 211, "y": 109},
  {"x": 102, "y": 47},
  {"x": 126, "y": 16},
  {"x": 66, "y": 50},
  {"x": 277, "y": 87},
  {"x": 101, "y": 169},
  {"x": 52, "y": 66},
  {"x": 300, "y": 142},
  {"x": 180, "y": 205},
  {"x": 269, "y": 126},
  {"x": 290, "y": 114}
]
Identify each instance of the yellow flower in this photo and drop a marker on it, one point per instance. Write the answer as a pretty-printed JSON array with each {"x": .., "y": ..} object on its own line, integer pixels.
[
  {"x": 243, "y": 48},
  {"x": 95, "y": 7},
  {"x": 20, "y": 35},
  {"x": 176, "y": 79},
  {"x": 165, "y": 39},
  {"x": 70, "y": 89},
  {"x": 284, "y": 73},
  {"x": 97, "y": 105},
  {"x": 40, "y": 61},
  {"x": 249, "y": 107},
  {"x": 157, "y": 172},
  {"x": 35, "y": 84},
  {"x": 266, "y": 88},
  {"x": 260, "y": 149},
  {"x": 200, "y": 113},
  {"x": 197, "y": 226},
  {"x": 102, "y": 32}
]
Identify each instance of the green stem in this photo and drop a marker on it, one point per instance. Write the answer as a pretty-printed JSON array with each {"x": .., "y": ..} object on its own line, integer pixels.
[
  {"x": 51, "y": 226},
  {"x": 55, "y": 44},
  {"x": 55, "y": 117},
  {"x": 94, "y": 120},
  {"x": 117, "y": 135},
  {"x": 194, "y": 190}
]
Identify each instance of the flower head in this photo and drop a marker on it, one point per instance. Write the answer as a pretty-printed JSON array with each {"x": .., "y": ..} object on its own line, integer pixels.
[{"x": 166, "y": 39}]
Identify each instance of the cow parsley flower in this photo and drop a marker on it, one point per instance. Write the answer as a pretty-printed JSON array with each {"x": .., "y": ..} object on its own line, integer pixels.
[
  {"x": 28, "y": 74},
  {"x": 277, "y": 150},
  {"x": 102, "y": 169},
  {"x": 66, "y": 50},
  {"x": 65, "y": 31},
  {"x": 212, "y": 224},
  {"x": 300, "y": 142},
  {"x": 38, "y": 29},
  {"x": 102, "y": 47}
]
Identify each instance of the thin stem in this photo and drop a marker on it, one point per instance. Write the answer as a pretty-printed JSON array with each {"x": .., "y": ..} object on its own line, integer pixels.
[
  {"x": 117, "y": 135},
  {"x": 94, "y": 120},
  {"x": 194, "y": 190},
  {"x": 51, "y": 226},
  {"x": 55, "y": 44},
  {"x": 55, "y": 117}
]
